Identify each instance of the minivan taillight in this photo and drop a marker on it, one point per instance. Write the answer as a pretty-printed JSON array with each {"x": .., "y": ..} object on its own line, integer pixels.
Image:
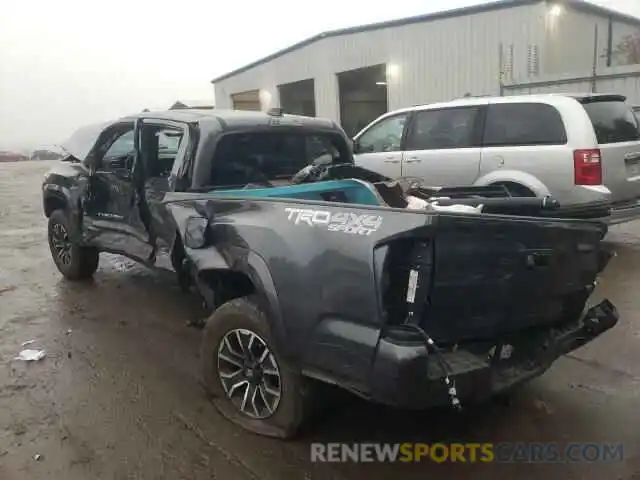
[{"x": 587, "y": 167}]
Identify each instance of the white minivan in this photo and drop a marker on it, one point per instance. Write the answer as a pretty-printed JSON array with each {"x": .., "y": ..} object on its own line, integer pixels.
[{"x": 581, "y": 149}]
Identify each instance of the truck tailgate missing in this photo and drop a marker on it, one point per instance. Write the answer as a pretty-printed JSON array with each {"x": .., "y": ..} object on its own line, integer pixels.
[{"x": 511, "y": 273}]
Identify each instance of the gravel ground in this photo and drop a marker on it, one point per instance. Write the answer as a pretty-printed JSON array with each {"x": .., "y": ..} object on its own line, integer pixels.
[{"x": 118, "y": 396}]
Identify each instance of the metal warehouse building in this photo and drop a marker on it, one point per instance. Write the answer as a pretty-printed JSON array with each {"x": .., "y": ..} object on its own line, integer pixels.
[{"x": 355, "y": 74}]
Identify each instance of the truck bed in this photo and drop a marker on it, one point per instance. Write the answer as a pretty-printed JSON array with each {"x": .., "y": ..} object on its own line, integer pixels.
[
  {"x": 354, "y": 185},
  {"x": 513, "y": 271}
]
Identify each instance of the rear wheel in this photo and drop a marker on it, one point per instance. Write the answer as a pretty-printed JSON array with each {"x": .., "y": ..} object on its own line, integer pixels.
[
  {"x": 74, "y": 261},
  {"x": 248, "y": 379}
]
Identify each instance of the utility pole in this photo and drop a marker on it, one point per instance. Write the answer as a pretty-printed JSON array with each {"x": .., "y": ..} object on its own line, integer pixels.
[
  {"x": 501, "y": 68},
  {"x": 594, "y": 72}
]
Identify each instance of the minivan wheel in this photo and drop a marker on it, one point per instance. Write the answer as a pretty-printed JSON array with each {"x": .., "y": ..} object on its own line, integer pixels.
[
  {"x": 245, "y": 374},
  {"x": 75, "y": 262}
]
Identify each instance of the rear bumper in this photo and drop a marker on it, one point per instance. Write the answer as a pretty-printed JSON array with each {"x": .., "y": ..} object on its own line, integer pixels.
[
  {"x": 600, "y": 211},
  {"x": 624, "y": 213},
  {"x": 405, "y": 375}
]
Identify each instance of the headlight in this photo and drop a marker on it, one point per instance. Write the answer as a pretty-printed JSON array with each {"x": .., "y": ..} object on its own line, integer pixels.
[{"x": 195, "y": 235}]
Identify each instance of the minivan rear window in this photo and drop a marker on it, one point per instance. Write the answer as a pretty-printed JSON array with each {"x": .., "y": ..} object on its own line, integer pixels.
[
  {"x": 523, "y": 124},
  {"x": 613, "y": 121}
]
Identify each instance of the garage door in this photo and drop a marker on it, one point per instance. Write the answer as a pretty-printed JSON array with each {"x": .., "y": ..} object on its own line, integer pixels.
[{"x": 249, "y": 100}]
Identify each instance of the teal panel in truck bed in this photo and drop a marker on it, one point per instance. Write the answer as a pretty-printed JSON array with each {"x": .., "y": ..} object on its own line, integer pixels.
[{"x": 355, "y": 192}]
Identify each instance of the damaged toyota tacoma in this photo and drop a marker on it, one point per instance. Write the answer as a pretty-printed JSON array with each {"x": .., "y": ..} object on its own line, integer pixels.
[{"x": 320, "y": 272}]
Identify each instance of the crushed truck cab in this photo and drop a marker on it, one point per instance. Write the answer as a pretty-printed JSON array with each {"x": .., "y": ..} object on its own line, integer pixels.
[{"x": 317, "y": 271}]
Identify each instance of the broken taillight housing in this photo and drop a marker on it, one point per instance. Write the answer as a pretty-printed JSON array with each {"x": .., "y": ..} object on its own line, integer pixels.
[{"x": 587, "y": 167}]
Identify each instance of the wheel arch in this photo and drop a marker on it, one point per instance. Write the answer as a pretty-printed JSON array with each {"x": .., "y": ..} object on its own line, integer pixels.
[
  {"x": 54, "y": 201},
  {"x": 251, "y": 278},
  {"x": 515, "y": 177}
]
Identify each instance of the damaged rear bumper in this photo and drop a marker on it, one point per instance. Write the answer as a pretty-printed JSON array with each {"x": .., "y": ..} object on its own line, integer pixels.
[
  {"x": 405, "y": 375},
  {"x": 624, "y": 213}
]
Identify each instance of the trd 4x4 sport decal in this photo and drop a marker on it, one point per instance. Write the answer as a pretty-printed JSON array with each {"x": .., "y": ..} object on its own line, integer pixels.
[{"x": 345, "y": 222}]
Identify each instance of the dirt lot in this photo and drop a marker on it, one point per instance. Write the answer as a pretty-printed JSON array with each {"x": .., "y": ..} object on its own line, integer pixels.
[{"x": 117, "y": 395}]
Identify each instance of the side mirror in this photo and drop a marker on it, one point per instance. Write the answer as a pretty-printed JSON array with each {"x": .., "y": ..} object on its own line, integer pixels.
[{"x": 355, "y": 147}]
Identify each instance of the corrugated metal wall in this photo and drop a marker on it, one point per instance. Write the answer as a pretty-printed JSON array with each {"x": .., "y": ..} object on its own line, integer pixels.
[
  {"x": 444, "y": 59},
  {"x": 571, "y": 38},
  {"x": 435, "y": 61},
  {"x": 568, "y": 54},
  {"x": 622, "y": 80}
]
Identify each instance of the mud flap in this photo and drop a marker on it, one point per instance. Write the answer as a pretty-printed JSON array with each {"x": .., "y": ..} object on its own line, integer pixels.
[
  {"x": 188, "y": 276},
  {"x": 183, "y": 275},
  {"x": 77, "y": 198}
]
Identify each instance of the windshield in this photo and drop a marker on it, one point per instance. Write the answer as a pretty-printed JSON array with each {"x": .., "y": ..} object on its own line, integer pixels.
[
  {"x": 122, "y": 146},
  {"x": 265, "y": 157},
  {"x": 613, "y": 121}
]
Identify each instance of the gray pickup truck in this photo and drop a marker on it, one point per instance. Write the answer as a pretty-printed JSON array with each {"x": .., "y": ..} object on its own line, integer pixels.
[{"x": 324, "y": 273}]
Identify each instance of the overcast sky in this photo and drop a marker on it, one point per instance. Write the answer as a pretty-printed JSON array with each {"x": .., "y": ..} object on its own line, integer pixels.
[{"x": 64, "y": 63}]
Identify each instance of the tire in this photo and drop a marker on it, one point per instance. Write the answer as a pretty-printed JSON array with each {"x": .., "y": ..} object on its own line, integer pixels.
[
  {"x": 244, "y": 317},
  {"x": 75, "y": 262}
]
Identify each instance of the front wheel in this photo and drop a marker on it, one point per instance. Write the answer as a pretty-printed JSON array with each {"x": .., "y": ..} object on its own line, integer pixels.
[
  {"x": 74, "y": 261},
  {"x": 248, "y": 379}
]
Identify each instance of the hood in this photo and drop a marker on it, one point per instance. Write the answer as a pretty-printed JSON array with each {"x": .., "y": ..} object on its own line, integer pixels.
[{"x": 80, "y": 143}]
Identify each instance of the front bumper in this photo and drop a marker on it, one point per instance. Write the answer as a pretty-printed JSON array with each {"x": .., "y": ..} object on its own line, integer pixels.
[{"x": 407, "y": 376}]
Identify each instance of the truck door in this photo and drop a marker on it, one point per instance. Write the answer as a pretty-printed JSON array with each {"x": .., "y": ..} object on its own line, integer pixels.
[
  {"x": 443, "y": 146},
  {"x": 111, "y": 215},
  {"x": 163, "y": 146}
]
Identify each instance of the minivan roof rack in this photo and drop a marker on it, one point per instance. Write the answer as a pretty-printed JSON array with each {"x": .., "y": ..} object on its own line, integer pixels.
[{"x": 468, "y": 95}]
